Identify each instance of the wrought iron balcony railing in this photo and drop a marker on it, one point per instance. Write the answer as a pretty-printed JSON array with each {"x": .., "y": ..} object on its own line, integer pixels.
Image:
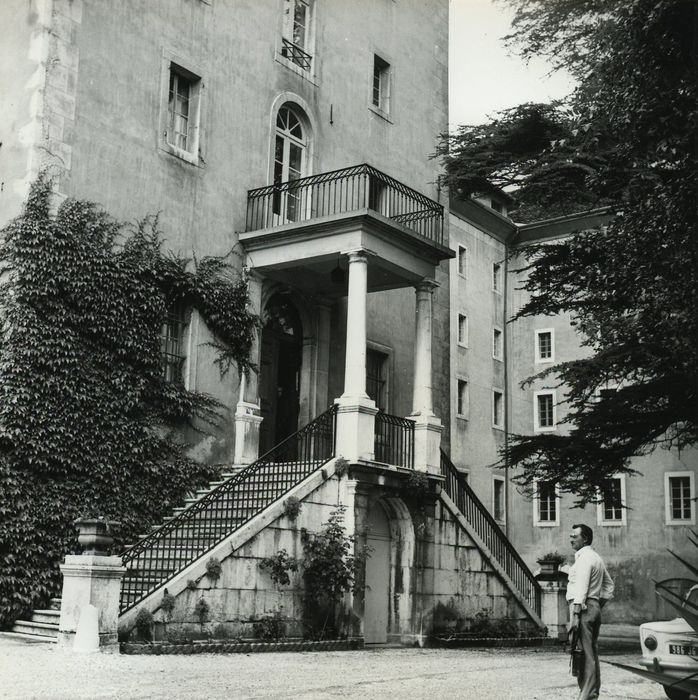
[
  {"x": 343, "y": 191},
  {"x": 296, "y": 54},
  {"x": 394, "y": 440}
]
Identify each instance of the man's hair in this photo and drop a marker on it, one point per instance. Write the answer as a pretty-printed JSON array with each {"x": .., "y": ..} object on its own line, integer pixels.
[{"x": 587, "y": 532}]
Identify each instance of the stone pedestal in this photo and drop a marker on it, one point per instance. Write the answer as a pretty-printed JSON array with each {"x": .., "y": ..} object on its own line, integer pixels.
[
  {"x": 356, "y": 422},
  {"x": 247, "y": 422},
  {"x": 427, "y": 442},
  {"x": 553, "y": 605},
  {"x": 90, "y": 579}
]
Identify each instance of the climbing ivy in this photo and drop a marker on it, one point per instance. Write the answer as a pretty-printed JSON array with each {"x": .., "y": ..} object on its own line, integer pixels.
[{"x": 88, "y": 425}]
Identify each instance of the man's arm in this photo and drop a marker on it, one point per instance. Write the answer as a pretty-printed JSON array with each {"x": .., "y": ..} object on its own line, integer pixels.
[{"x": 607, "y": 588}]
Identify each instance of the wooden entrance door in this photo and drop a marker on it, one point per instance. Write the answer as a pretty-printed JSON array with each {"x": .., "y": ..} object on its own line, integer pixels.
[{"x": 377, "y": 597}]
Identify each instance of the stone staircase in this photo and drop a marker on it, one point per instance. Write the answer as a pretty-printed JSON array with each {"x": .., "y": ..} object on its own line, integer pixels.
[
  {"x": 213, "y": 513},
  {"x": 42, "y": 627}
]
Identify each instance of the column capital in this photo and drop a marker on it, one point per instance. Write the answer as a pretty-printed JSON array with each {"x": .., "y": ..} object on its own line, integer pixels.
[
  {"x": 426, "y": 285},
  {"x": 356, "y": 255}
]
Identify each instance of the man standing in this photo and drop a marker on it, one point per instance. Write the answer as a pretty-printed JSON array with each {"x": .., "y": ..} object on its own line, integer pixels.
[{"x": 589, "y": 587}]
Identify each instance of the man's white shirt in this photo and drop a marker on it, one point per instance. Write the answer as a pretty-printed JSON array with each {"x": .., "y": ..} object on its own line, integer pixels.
[{"x": 588, "y": 578}]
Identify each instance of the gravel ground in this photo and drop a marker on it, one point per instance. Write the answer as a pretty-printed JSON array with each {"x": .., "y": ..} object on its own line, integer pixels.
[{"x": 44, "y": 671}]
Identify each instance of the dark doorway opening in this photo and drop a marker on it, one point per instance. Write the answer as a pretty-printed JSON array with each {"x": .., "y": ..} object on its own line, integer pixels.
[{"x": 280, "y": 371}]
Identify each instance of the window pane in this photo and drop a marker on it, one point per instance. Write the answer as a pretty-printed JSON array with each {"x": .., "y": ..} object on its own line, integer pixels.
[
  {"x": 376, "y": 366},
  {"x": 612, "y": 501},
  {"x": 545, "y": 411},
  {"x": 545, "y": 346},
  {"x": 680, "y": 494},
  {"x": 547, "y": 502}
]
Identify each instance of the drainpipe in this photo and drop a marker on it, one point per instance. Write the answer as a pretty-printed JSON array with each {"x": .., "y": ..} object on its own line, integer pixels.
[{"x": 507, "y": 392}]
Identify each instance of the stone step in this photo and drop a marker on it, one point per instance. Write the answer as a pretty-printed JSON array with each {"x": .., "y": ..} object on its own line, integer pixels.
[
  {"x": 30, "y": 638},
  {"x": 50, "y": 617},
  {"x": 38, "y": 629}
]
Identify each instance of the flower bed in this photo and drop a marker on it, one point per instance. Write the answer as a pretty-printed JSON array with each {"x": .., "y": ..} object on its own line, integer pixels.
[{"x": 243, "y": 647}]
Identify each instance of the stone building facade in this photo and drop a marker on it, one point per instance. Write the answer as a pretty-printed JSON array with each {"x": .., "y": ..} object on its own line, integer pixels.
[{"x": 493, "y": 357}]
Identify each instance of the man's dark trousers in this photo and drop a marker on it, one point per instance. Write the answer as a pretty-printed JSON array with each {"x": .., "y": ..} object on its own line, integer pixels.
[{"x": 589, "y": 626}]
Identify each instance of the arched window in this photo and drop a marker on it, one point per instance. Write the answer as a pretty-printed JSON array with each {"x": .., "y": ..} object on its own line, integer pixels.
[{"x": 290, "y": 155}]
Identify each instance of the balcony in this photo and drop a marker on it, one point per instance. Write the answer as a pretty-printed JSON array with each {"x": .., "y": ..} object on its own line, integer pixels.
[
  {"x": 297, "y": 231},
  {"x": 342, "y": 191}
]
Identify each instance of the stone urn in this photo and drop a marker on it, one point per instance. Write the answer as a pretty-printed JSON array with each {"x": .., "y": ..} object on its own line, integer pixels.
[
  {"x": 550, "y": 565},
  {"x": 95, "y": 535}
]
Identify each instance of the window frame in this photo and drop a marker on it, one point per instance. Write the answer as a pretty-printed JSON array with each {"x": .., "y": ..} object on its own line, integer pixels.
[
  {"x": 497, "y": 277},
  {"x": 498, "y": 352},
  {"x": 462, "y": 261},
  {"x": 497, "y": 392},
  {"x": 463, "y": 382},
  {"x": 462, "y": 339},
  {"x": 181, "y": 359},
  {"x": 537, "y": 427},
  {"x": 501, "y": 480},
  {"x": 536, "y": 507},
  {"x": 385, "y": 108},
  {"x": 287, "y": 34},
  {"x": 386, "y": 367},
  {"x": 538, "y": 359},
  {"x": 601, "y": 520},
  {"x": 174, "y": 64},
  {"x": 668, "y": 476}
]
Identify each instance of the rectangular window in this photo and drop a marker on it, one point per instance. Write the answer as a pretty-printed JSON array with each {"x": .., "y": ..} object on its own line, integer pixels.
[
  {"x": 498, "y": 499},
  {"x": 611, "y": 502},
  {"x": 463, "y": 330},
  {"x": 679, "y": 494},
  {"x": 546, "y": 511},
  {"x": 463, "y": 399},
  {"x": 172, "y": 351},
  {"x": 497, "y": 408},
  {"x": 180, "y": 112},
  {"x": 497, "y": 277},
  {"x": 544, "y": 407},
  {"x": 380, "y": 96},
  {"x": 544, "y": 345},
  {"x": 296, "y": 43},
  {"x": 462, "y": 260},
  {"x": 376, "y": 377},
  {"x": 497, "y": 344}
]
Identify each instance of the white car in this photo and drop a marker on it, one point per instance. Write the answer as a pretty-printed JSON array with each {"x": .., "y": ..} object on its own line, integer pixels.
[{"x": 670, "y": 648}]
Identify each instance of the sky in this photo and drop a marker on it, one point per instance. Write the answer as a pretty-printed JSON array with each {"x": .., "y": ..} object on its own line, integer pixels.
[{"x": 484, "y": 76}]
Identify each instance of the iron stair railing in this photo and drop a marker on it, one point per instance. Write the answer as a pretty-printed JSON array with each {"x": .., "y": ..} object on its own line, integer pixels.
[
  {"x": 490, "y": 533},
  {"x": 181, "y": 540}
]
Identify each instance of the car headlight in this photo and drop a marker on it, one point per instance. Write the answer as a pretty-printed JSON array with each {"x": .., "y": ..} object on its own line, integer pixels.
[{"x": 650, "y": 642}]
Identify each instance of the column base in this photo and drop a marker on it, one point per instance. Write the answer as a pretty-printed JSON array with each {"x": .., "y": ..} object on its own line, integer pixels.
[
  {"x": 91, "y": 580},
  {"x": 427, "y": 442},
  {"x": 356, "y": 427},
  {"x": 247, "y": 422},
  {"x": 553, "y": 605}
]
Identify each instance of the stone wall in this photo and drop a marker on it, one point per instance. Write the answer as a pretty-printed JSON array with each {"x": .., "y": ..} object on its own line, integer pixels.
[{"x": 438, "y": 580}]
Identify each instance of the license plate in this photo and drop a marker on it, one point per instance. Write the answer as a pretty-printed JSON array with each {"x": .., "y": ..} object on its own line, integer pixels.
[{"x": 683, "y": 649}]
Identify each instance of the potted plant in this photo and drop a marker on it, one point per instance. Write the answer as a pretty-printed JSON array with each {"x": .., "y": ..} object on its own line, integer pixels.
[
  {"x": 96, "y": 535},
  {"x": 550, "y": 562}
]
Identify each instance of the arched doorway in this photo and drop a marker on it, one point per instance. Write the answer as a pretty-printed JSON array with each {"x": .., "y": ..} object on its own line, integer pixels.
[
  {"x": 377, "y": 595},
  {"x": 280, "y": 371}
]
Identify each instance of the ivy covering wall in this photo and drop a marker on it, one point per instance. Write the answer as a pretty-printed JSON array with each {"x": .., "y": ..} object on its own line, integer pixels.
[{"x": 88, "y": 425}]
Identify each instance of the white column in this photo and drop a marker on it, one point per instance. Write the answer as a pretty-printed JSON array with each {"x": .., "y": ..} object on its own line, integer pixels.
[
  {"x": 356, "y": 411},
  {"x": 422, "y": 395},
  {"x": 427, "y": 433},
  {"x": 355, "y": 357}
]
